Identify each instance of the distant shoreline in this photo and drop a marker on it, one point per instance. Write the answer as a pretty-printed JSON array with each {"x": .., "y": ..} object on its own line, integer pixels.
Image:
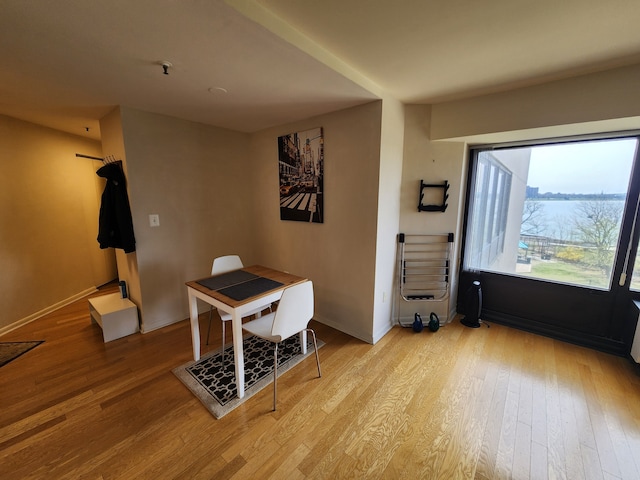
[{"x": 578, "y": 196}]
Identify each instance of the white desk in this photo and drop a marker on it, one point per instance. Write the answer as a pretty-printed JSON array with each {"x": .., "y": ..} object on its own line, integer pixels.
[{"x": 237, "y": 309}]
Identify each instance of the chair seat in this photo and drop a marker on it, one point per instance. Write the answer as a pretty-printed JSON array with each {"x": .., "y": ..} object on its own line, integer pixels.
[
  {"x": 294, "y": 312},
  {"x": 261, "y": 327}
]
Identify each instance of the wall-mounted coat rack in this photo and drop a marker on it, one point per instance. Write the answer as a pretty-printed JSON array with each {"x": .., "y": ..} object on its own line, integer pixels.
[
  {"x": 105, "y": 160},
  {"x": 90, "y": 157},
  {"x": 433, "y": 208}
]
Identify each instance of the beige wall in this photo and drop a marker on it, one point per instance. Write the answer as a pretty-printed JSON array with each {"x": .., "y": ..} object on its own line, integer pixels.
[
  {"x": 215, "y": 196},
  {"x": 178, "y": 166},
  {"x": 215, "y": 191},
  {"x": 49, "y": 203},
  {"x": 339, "y": 254},
  {"x": 113, "y": 146},
  {"x": 197, "y": 179}
]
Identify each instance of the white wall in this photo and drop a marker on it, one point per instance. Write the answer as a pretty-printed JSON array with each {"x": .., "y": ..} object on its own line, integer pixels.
[
  {"x": 388, "y": 205},
  {"x": 607, "y": 101},
  {"x": 517, "y": 162},
  {"x": 433, "y": 162},
  {"x": 599, "y": 102}
]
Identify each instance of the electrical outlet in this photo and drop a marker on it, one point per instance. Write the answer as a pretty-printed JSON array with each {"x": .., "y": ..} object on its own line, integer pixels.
[{"x": 154, "y": 220}]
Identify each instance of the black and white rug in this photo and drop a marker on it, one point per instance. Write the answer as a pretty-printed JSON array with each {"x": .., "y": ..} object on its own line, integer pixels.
[{"x": 213, "y": 381}]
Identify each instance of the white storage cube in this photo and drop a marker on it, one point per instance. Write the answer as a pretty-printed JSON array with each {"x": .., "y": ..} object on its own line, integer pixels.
[{"x": 118, "y": 317}]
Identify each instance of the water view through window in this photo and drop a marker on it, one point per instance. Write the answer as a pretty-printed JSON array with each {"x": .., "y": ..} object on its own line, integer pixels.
[{"x": 551, "y": 212}]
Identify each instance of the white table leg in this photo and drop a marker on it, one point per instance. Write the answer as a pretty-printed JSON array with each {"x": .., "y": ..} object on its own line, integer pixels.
[
  {"x": 238, "y": 354},
  {"x": 195, "y": 327}
]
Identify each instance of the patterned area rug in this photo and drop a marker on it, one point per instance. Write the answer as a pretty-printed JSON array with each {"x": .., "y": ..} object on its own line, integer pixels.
[
  {"x": 213, "y": 381},
  {"x": 11, "y": 350}
]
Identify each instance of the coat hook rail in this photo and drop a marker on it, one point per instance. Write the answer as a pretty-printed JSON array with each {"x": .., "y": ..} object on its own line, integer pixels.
[
  {"x": 105, "y": 160},
  {"x": 89, "y": 156}
]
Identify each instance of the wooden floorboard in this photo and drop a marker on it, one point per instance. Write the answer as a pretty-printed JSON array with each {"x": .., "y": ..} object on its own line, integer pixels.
[{"x": 460, "y": 403}]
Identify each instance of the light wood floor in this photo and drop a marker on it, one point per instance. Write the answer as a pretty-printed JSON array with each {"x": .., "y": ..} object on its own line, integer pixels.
[{"x": 488, "y": 403}]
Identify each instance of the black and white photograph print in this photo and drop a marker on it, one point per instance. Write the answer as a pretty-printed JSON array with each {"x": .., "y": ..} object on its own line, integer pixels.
[{"x": 301, "y": 166}]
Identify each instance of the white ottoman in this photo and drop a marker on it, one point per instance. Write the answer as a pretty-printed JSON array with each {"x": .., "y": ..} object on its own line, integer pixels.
[{"x": 118, "y": 317}]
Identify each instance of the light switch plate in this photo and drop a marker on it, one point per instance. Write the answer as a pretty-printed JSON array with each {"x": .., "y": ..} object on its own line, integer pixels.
[{"x": 154, "y": 220}]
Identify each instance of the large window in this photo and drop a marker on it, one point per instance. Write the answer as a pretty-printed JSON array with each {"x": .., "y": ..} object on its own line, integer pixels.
[{"x": 549, "y": 211}]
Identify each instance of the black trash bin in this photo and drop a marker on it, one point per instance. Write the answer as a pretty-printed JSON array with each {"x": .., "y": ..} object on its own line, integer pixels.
[{"x": 472, "y": 305}]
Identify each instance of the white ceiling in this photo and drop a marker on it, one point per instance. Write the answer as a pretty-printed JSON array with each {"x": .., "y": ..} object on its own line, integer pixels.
[{"x": 67, "y": 63}]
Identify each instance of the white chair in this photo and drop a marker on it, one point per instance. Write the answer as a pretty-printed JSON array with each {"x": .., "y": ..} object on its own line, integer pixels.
[
  {"x": 294, "y": 312},
  {"x": 220, "y": 265}
]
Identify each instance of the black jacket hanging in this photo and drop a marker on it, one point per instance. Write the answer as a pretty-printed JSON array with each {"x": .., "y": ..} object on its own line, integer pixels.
[{"x": 115, "y": 227}]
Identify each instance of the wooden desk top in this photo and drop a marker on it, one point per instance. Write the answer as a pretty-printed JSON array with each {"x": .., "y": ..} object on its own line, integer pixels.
[{"x": 286, "y": 279}]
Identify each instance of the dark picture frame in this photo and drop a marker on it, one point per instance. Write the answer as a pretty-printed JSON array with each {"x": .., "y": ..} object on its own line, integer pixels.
[{"x": 301, "y": 176}]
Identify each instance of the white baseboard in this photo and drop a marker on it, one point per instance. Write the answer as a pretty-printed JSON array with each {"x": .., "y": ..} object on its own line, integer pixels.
[
  {"x": 341, "y": 327},
  {"x": 382, "y": 332},
  {"x": 45, "y": 311},
  {"x": 146, "y": 329}
]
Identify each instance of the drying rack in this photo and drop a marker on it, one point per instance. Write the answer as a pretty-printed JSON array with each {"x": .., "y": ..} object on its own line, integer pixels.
[{"x": 423, "y": 271}]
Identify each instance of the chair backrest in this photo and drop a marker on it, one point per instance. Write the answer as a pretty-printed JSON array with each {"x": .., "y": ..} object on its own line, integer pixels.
[
  {"x": 295, "y": 310},
  {"x": 226, "y": 264}
]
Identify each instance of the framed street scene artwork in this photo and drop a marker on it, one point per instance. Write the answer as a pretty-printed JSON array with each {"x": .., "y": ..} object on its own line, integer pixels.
[{"x": 301, "y": 166}]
